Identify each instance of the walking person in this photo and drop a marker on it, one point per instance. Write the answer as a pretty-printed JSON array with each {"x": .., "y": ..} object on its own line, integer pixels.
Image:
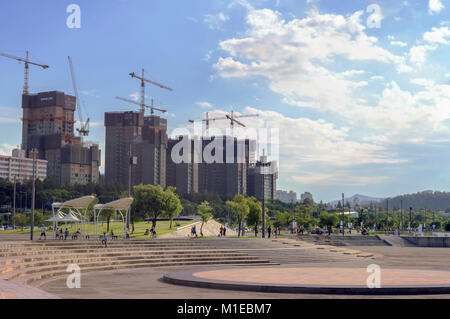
[
  {"x": 66, "y": 234},
  {"x": 43, "y": 233},
  {"x": 221, "y": 230},
  {"x": 224, "y": 232},
  {"x": 269, "y": 231},
  {"x": 105, "y": 239}
]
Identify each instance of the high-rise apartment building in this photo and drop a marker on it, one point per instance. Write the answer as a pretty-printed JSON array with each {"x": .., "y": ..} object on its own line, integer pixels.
[
  {"x": 181, "y": 174},
  {"x": 287, "y": 197},
  {"x": 21, "y": 168},
  {"x": 48, "y": 127},
  {"x": 143, "y": 137},
  {"x": 262, "y": 179}
]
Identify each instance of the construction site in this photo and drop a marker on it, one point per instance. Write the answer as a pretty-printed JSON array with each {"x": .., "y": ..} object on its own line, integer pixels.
[{"x": 137, "y": 146}]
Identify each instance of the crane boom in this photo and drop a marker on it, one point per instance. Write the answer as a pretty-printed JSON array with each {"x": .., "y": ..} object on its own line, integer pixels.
[
  {"x": 151, "y": 107},
  {"x": 133, "y": 75},
  {"x": 26, "y": 61},
  {"x": 84, "y": 127},
  {"x": 143, "y": 81},
  {"x": 23, "y": 60}
]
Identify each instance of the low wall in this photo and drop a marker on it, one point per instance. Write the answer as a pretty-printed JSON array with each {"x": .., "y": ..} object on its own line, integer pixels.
[{"x": 429, "y": 241}]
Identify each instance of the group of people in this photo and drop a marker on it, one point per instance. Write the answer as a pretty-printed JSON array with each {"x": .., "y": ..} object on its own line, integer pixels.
[
  {"x": 63, "y": 235},
  {"x": 223, "y": 231},
  {"x": 151, "y": 232},
  {"x": 273, "y": 231}
]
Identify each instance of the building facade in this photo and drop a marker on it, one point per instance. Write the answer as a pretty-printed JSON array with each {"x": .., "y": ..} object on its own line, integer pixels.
[
  {"x": 306, "y": 195},
  {"x": 262, "y": 179},
  {"x": 131, "y": 134},
  {"x": 21, "y": 168},
  {"x": 48, "y": 126},
  {"x": 182, "y": 175},
  {"x": 287, "y": 197}
]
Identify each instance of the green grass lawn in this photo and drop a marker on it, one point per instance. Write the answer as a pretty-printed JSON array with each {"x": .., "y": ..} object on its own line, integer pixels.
[{"x": 162, "y": 227}]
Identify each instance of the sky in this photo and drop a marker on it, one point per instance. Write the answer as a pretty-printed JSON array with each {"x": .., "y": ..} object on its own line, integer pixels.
[{"x": 359, "y": 90}]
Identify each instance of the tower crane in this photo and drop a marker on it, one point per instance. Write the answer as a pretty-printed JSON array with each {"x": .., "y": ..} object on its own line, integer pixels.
[
  {"x": 207, "y": 120},
  {"x": 231, "y": 117},
  {"x": 143, "y": 81},
  {"x": 27, "y": 62},
  {"x": 84, "y": 126},
  {"x": 151, "y": 107}
]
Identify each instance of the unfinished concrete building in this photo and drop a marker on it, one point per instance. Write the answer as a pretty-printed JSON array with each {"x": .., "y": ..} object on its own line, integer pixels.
[
  {"x": 144, "y": 137},
  {"x": 183, "y": 175},
  {"x": 48, "y": 126}
]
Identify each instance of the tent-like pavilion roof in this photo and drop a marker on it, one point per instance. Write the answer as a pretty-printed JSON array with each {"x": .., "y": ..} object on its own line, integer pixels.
[
  {"x": 120, "y": 204},
  {"x": 77, "y": 203}
]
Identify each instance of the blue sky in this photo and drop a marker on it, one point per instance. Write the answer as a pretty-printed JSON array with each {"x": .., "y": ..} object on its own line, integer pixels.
[{"x": 359, "y": 108}]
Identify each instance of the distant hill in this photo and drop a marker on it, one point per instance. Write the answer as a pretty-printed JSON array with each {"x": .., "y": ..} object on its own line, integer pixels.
[
  {"x": 434, "y": 200},
  {"x": 358, "y": 199}
]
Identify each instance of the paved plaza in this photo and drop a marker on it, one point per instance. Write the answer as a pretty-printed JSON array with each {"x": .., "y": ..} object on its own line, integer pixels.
[{"x": 148, "y": 283}]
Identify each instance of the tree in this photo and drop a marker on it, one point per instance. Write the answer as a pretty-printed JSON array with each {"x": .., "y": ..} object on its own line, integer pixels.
[
  {"x": 20, "y": 220},
  {"x": 171, "y": 204},
  {"x": 283, "y": 219},
  {"x": 240, "y": 209},
  {"x": 149, "y": 201},
  {"x": 204, "y": 210},
  {"x": 326, "y": 219},
  {"x": 255, "y": 213}
]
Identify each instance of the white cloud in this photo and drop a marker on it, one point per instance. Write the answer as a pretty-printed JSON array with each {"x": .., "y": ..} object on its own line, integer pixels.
[
  {"x": 294, "y": 57},
  {"x": 399, "y": 43},
  {"x": 204, "y": 105},
  {"x": 418, "y": 53},
  {"x": 6, "y": 149},
  {"x": 215, "y": 21},
  {"x": 438, "y": 35},
  {"x": 377, "y": 77},
  {"x": 435, "y": 6}
]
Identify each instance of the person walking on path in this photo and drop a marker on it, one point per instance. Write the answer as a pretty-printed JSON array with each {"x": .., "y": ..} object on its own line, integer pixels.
[
  {"x": 269, "y": 231},
  {"x": 43, "y": 233},
  {"x": 224, "y": 232},
  {"x": 66, "y": 234},
  {"x": 221, "y": 230},
  {"x": 105, "y": 239}
]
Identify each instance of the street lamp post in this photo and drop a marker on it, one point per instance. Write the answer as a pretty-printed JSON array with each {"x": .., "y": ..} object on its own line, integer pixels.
[
  {"x": 410, "y": 219},
  {"x": 387, "y": 216},
  {"x": 343, "y": 216},
  {"x": 33, "y": 194},
  {"x": 401, "y": 215},
  {"x": 14, "y": 203}
]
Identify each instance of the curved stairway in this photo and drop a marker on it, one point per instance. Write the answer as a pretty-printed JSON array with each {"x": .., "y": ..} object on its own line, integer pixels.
[{"x": 35, "y": 263}]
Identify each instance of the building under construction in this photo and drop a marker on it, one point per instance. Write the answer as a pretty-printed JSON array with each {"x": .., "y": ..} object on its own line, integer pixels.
[
  {"x": 48, "y": 126},
  {"x": 131, "y": 134}
]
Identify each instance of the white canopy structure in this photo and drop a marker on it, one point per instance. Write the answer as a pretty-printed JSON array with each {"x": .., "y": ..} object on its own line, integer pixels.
[
  {"x": 78, "y": 208},
  {"x": 56, "y": 217},
  {"x": 70, "y": 217},
  {"x": 120, "y": 205}
]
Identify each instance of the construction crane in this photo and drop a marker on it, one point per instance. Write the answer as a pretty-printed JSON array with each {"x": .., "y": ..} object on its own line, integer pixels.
[
  {"x": 231, "y": 117},
  {"x": 207, "y": 120},
  {"x": 84, "y": 126},
  {"x": 151, "y": 107},
  {"x": 27, "y": 71},
  {"x": 143, "y": 80}
]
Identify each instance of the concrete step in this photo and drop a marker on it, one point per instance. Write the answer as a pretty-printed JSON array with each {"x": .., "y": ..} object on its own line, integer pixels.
[
  {"x": 31, "y": 279},
  {"x": 39, "y": 282},
  {"x": 109, "y": 249},
  {"x": 16, "y": 265},
  {"x": 17, "y": 274},
  {"x": 114, "y": 254}
]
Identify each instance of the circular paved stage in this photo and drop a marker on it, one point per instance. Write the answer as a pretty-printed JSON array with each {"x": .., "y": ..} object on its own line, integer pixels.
[{"x": 316, "y": 280}]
